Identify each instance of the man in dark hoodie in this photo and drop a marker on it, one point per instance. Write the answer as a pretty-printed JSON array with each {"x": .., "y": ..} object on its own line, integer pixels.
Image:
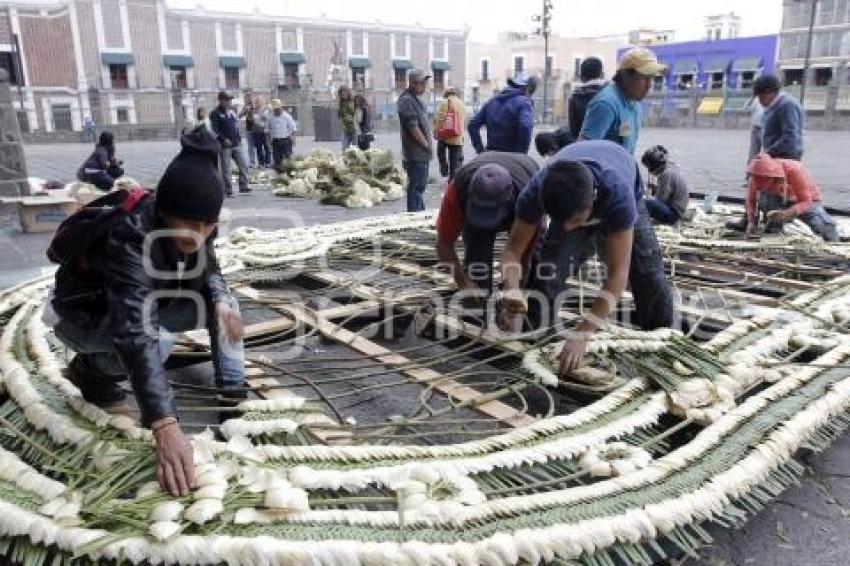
[
  {"x": 508, "y": 117},
  {"x": 152, "y": 273},
  {"x": 592, "y": 81},
  {"x": 782, "y": 129}
]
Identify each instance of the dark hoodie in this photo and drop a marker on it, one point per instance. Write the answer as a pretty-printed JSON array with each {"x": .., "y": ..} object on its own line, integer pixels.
[
  {"x": 509, "y": 120},
  {"x": 579, "y": 100}
]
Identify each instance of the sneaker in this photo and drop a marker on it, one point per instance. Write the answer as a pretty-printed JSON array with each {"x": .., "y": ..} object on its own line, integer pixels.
[{"x": 96, "y": 388}]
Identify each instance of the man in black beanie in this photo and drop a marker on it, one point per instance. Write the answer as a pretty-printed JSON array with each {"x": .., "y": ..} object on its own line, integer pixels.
[{"x": 152, "y": 273}]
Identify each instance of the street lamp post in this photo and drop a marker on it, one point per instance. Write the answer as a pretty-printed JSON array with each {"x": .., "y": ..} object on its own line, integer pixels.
[
  {"x": 545, "y": 29},
  {"x": 808, "y": 52}
]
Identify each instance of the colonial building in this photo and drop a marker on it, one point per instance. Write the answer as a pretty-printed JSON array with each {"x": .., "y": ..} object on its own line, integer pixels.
[{"x": 141, "y": 67}]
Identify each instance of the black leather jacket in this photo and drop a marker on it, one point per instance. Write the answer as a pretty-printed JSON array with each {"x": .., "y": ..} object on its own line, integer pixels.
[{"x": 113, "y": 286}]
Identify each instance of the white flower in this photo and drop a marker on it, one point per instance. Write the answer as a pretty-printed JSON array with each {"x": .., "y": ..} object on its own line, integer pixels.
[
  {"x": 212, "y": 491},
  {"x": 162, "y": 530},
  {"x": 203, "y": 511},
  {"x": 289, "y": 499},
  {"x": 700, "y": 400},
  {"x": 168, "y": 511},
  {"x": 248, "y": 515},
  {"x": 614, "y": 459}
]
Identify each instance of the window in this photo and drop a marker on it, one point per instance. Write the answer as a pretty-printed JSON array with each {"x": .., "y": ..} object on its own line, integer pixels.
[
  {"x": 685, "y": 82},
  {"x": 11, "y": 63},
  {"x": 827, "y": 12},
  {"x": 231, "y": 77},
  {"x": 658, "y": 83},
  {"x": 400, "y": 76},
  {"x": 747, "y": 79},
  {"x": 61, "y": 115},
  {"x": 717, "y": 81},
  {"x": 485, "y": 70},
  {"x": 178, "y": 77},
  {"x": 717, "y": 34},
  {"x": 797, "y": 14},
  {"x": 793, "y": 77},
  {"x": 123, "y": 115},
  {"x": 290, "y": 74},
  {"x": 439, "y": 80},
  {"x": 358, "y": 78},
  {"x": 823, "y": 76},
  {"x": 476, "y": 95},
  {"x": 519, "y": 65},
  {"x": 118, "y": 76}
]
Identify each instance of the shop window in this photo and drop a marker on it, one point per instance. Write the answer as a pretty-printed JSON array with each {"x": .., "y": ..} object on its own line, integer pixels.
[
  {"x": 685, "y": 81},
  {"x": 118, "y": 76},
  {"x": 358, "y": 78},
  {"x": 439, "y": 80},
  {"x": 823, "y": 76},
  {"x": 717, "y": 80},
  {"x": 400, "y": 76},
  {"x": 747, "y": 79},
  {"x": 179, "y": 77},
  {"x": 61, "y": 115},
  {"x": 290, "y": 74},
  {"x": 792, "y": 77},
  {"x": 123, "y": 115},
  {"x": 231, "y": 78}
]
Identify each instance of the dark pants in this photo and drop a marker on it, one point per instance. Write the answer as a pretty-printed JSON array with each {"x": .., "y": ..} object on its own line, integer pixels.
[
  {"x": 450, "y": 158},
  {"x": 478, "y": 247},
  {"x": 261, "y": 146},
  {"x": 103, "y": 180},
  {"x": 816, "y": 218},
  {"x": 563, "y": 253},
  {"x": 281, "y": 149},
  {"x": 417, "y": 181},
  {"x": 661, "y": 212},
  {"x": 96, "y": 346}
]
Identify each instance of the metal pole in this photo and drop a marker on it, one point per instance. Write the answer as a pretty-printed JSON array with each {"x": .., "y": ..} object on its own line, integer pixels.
[
  {"x": 546, "y": 69},
  {"x": 808, "y": 53}
]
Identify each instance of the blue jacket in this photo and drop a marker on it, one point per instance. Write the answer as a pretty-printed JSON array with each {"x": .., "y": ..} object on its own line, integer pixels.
[
  {"x": 225, "y": 126},
  {"x": 782, "y": 135},
  {"x": 509, "y": 120}
]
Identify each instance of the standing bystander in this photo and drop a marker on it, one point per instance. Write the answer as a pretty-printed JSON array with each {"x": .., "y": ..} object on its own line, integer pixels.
[
  {"x": 225, "y": 126},
  {"x": 416, "y": 144}
]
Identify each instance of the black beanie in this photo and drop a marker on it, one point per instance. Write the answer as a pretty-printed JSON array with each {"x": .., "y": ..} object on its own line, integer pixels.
[{"x": 192, "y": 187}]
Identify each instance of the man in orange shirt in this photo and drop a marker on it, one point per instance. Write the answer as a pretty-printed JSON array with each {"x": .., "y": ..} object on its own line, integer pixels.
[
  {"x": 784, "y": 190},
  {"x": 478, "y": 204}
]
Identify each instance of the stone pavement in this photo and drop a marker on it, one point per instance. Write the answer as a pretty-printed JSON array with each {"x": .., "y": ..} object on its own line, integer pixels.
[{"x": 808, "y": 524}]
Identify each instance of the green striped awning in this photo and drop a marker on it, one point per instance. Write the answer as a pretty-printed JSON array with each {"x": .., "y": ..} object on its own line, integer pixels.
[
  {"x": 360, "y": 62},
  {"x": 685, "y": 67},
  {"x": 178, "y": 61},
  {"x": 402, "y": 64},
  {"x": 716, "y": 65},
  {"x": 292, "y": 57},
  {"x": 441, "y": 66},
  {"x": 746, "y": 64},
  {"x": 117, "y": 58},
  {"x": 231, "y": 61}
]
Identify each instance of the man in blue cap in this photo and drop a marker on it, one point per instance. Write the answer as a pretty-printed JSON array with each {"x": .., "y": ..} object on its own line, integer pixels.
[
  {"x": 508, "y": 117},
  {"x": 478, "y": 204}
]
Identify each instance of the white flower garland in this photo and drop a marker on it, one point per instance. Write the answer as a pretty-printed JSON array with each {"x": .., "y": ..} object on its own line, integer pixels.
[{"x": 614, "y": 459}]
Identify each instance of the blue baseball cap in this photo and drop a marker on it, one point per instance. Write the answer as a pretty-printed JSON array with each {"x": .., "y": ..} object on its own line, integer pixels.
[{"x": 490, "y": 197}]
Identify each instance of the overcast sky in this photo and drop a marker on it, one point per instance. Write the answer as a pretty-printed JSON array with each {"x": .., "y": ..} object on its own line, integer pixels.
[{"x": 486, "y": 18}]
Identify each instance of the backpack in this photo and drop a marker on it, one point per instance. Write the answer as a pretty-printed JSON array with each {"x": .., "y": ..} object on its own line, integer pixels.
[{"x": 79, "y": 232}]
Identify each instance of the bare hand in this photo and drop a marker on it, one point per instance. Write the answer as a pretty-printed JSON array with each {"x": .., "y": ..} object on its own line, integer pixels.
[
  {"x": 231, "y": 321},
  {"x": 751, "y": 230},
  {"x": 175, "y": 471},
  {"x": 571, "y": 355}
]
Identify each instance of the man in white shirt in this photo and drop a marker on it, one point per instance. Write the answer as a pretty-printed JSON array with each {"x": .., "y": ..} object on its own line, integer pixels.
[{"x": 282, "y": 129}]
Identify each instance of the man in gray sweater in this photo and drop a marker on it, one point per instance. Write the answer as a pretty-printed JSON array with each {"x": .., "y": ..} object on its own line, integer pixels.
[
  {"x": 668, "y": 187},
  {"x": 784, "y": 119}
]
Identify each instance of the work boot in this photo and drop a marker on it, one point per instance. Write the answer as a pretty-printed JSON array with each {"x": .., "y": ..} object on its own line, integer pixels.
[{"x": 97, "y": 388}]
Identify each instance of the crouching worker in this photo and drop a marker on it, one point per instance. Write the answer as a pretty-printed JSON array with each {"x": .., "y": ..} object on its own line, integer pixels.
[
  {"x": 783, "y": 190},
  {"x": 135, "y": 268},
  {"x": 101, "y": 168},
  {"x": 478, "y": 204},
  {"x": 591, "y": 191},
  {"x": 668, "y": 187}
]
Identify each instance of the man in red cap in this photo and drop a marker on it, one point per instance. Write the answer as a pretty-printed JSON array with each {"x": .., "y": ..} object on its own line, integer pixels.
[
  {"x": 479, "y": 203},
  {"x": 784, "y": 190}
]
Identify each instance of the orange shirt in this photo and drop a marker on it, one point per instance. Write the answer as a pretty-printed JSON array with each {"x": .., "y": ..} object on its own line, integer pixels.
[{"x": 799, "y": 187}]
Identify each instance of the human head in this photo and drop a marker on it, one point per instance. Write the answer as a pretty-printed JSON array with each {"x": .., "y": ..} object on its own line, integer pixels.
[
  {"x": 344, "y": 93},
  {"x": 590, "y": 69},
  {"x": 418, "y": 81},
  {"x": 490, "y": 198},
  {"x": 190, "y": 193},
  {"x": 766, "y": 88},
  {"x": 450, "y": 91},
  {"x": 201, "y": 114},
  {"x": 635, "y": 72},
  {"x": 224, "y": 99},
  {"x": 106, "y": 139},
  {"x": 567, "y": 193},
  {"x": 766, "y": 171},
  {"x": 277, "y": 106},
  {"x": 655, "y": 159}
]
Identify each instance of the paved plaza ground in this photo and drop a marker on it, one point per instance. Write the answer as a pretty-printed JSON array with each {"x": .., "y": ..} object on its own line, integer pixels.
[{"x": 809, "y": 524}]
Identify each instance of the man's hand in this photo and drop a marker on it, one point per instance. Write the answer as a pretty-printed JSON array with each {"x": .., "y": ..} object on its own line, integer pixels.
[
  {"x": 572, "y": 354},
  {"x": 781, "y": 216},
  {"x": 231, "y": 321},
  {"x": 510, "y": 315},
  {"x": 175, "y": 471}
]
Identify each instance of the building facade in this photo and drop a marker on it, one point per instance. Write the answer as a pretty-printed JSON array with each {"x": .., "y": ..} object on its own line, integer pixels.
[
  {"x": 828, "y": 80},
  {"x": 490, "y": 65},
  {"x": 142, "y": 67}
]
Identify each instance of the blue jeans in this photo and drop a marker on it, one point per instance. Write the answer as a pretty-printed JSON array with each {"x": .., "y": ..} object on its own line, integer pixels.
[
  {"x": 417, "y": 181},
  {"x": 261, "y": 145},
  {"x": 225, "y": 157},
  {"x": 348, "y": 139},
  {"x": 661, "y": 212},
  {"x": 181, "y": 315}
]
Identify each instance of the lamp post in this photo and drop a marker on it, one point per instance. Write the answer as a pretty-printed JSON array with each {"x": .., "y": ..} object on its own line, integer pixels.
[{"x": 545, "y": 29}]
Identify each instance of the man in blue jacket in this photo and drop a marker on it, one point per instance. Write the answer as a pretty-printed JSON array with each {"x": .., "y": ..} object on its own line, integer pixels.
[
  {"x": 782, "y": 130},
  {"x": 508, "y": 117}
]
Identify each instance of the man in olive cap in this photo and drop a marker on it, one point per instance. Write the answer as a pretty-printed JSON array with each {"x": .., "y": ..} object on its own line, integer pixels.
[
  {"x": 416, "y": 145},
  {"x": 225, "y": 126},
  {"x": 614, "y": 113}
]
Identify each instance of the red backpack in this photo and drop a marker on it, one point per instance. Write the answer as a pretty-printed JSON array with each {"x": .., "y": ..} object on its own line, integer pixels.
[{"x": 78, "y": 233}]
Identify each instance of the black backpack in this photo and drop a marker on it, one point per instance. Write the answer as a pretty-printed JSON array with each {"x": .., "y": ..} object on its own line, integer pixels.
[{"x": 78, "y": 233}]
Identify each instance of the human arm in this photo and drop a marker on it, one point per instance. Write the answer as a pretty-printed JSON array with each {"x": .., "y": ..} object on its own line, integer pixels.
[
  {"x": 408, "y": 118},
  {"x": 526, "y": 126},
  {"x": 449, "y": 227},
  {"x": 751, "y": 200},
  {"x": 790, "y": 122},
  {"x": 474, "y": 129},
  {"x": 598, "y": 120},
  {"x": 802, "y": 186},
  {"x": 513, "y": 302},
  {"x": 573, "y": 117},
  {"x": 618, "y": 253}
]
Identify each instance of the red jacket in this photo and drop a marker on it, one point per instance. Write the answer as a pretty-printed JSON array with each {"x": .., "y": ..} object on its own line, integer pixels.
[{"x": 799, "y": 187}]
